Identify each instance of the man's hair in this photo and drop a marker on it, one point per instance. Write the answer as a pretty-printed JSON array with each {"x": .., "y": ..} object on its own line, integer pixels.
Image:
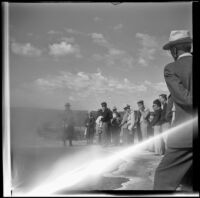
[
  {"x": 157, "y": 102},
  {"x": 140, "y": 102},
  {"x": 186, "y": 47},
  {"x": 104, "y": 104},
  {"x": 163, "y": 96}
]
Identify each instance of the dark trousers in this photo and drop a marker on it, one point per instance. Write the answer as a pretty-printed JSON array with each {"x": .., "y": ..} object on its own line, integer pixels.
[
  {"x": 172, "y": 169},
  {"x": 115, "y": 131}
]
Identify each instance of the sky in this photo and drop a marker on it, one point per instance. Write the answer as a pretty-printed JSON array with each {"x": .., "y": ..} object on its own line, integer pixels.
[{"x": 87, "y": 53}]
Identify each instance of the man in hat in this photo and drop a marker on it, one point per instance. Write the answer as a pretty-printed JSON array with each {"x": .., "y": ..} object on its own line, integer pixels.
[
  {"x": 177, "y": 160},
  {"x": 115, "y": 126},
  {"x": 106, "y": 114},
  {"x": 144, "y": 113},
  {"x": 156, "y": 124},
  {"x": 90, "y": 127},
  {"x": 165, "y": 123},
  {"x": 124, "y": 125},
  {"x": 68, "y": 119}
]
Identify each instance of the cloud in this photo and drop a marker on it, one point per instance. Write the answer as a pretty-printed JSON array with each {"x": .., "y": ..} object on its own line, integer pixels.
[
  {"x": 118, "y": 27},
  {"x": 67, "y": 39},
  {"x": 25, "y": 49},
  {"x": 160, "y": 86},
  {"x": 84, "y": 84},
  {"x": 100, "y": 40},
  {"x": 76, "y": 32},
  {"x": 116, "y": 58},
  {"x": 64, "y": 48},
  {"x": 149, "y": 45},
  {"x": 54, "y": 32},
  {"x": 97, "y": 19}
]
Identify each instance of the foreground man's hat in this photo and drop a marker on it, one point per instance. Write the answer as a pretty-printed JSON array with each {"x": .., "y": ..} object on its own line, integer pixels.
[{"x": 178, "y": 37}]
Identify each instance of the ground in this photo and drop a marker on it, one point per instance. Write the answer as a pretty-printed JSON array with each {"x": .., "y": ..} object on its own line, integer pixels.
[{"x": 32, "y": 165}]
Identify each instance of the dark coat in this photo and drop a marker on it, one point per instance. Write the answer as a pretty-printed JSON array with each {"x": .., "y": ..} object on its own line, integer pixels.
[
  {"x": 157, "y": 118},
  {"x": 163, "y": 114},
  {"x": 90, "y": 124},
  {"x": 169, "y": 112},
  {"x": 178, "y": 76},
  {"x": 106, "y": 115}
]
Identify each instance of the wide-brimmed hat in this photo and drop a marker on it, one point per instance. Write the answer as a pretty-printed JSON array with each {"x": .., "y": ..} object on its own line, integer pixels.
[{"x": 178, "y": 37}]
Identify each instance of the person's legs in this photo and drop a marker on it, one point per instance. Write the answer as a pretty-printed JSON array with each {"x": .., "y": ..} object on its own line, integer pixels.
[
  {"x": 165, "y": 127},
  {"x": 104, "y": 133},
  {"x": 117, "y": 136},
  {"x": 158, "y": 141},
  {"x": 171, "y": 170},
  {"x": 143, "y": 130},
  {"x": 70, "y": 141}
]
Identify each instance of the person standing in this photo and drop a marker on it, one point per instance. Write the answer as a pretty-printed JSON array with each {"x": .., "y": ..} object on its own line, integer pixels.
[
  {"x": 131, "y": 126},
  {"x": 169, "y": 110},
  {"x": 99, "y": 125},
  {"x": 115, "y": 126},
  {"x": 68, "y": 119},
  {"x": 90, "y": 126},
  {"x": 165, "y": 124},
  {"x": 137, "y": 128},
  {"x": 106, "y": 114},
  {"x": 124, "y": 125},
  {"x": 151, "y": 132},
  {"x": 156, "y": 124},
  {"x": 144, "y": 119},
  {"x": 177, "y": 160}
]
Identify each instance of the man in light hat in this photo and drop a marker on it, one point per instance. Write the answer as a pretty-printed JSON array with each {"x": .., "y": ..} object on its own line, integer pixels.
[{"x": 177, "y": 160}]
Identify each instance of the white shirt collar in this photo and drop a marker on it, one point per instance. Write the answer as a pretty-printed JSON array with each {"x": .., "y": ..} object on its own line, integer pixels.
[{"x": 185, "y": 54}]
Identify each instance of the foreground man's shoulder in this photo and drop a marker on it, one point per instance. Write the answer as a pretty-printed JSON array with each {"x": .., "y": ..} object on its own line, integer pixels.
[{"x": 169, "y": 65}]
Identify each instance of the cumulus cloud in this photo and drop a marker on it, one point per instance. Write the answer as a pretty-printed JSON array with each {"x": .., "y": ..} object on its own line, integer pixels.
[
  {"x": 100, "y": 40},
  {"x": 54, "y": 32},
  {"x": 97, "y": 19},
  {"x": 75, "y": 32},
  {"x": 149, "y": 45},
  {"x": 84, "y": 84},
  {"x": 118, "y": 27},
  {"x": 64, "y": 48},
  {"x": 26, "y": 49},
  {"x": 116, "y": 58}
]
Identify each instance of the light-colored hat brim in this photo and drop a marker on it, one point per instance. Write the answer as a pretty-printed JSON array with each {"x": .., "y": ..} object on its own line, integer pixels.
[{"x": 172, "y": 43}]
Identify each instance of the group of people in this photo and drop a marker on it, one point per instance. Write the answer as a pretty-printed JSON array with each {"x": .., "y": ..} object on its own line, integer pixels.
[{"x": 115, "y": 128}]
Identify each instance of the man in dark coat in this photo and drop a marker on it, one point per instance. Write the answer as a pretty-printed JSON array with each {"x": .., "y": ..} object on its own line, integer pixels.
[
  {"x": 165, "y": 124},
  {"x": 106, "y": 114},
  {"x": 177, "y": 160},
  {"x": 68, "y": 119},
  {"x": 156, "y": 125}
]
